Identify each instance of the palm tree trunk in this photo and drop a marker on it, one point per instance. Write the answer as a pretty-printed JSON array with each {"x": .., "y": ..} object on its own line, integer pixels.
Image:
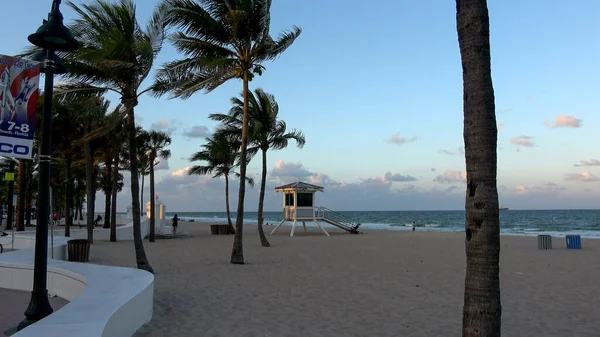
[
  {"x": 237, "y": 252},
  {"x": 28, "y": 197},
  {"x": 108, "y": 193},
  {"x": 231, "y": 229},
  {"x": 482, "y": 310},
  {"x": 21, "y": 197},
  {"x": 138, "y": 243},
  {"x": 261, "y": 201},
  {"x": 152, "y": 202},
  {"x": 142, "y": 196},
  {"x": 89, "y": 190},
  {"x": 9, "y": 201},
  {"x": 113, "y": 215},
  {"x": 68, "y": 197}
]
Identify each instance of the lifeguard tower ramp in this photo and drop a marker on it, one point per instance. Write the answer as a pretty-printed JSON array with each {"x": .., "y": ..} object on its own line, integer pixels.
[
  {"x": 338, "y": 220},
  {"x": 298, "y": 205}
]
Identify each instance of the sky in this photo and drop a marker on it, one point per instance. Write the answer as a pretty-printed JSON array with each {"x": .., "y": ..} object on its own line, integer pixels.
[{"x": 377, "y": 91}]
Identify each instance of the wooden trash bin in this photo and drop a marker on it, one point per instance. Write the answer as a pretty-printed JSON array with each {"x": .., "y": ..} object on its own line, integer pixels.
[
  {"x": 214, "y": 229},
  {"x": 79, "y": 250},
  {"x": 544, "y": 242},
  {"x": 223, "y": 229}
]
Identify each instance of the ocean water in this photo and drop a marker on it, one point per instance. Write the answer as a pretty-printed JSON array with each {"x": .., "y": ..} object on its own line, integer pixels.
[{"x": 513, "y": 222}]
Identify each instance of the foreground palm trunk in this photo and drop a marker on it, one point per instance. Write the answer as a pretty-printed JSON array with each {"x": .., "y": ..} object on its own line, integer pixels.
[
  {"x": 113, "y": 213},
  {"x": 21, "y": 197},
  {"x": 138, "y": 243},
  {"x": 152, "y": 203},
  {"x": 482, "y": 308},
  {"x": 231, "y": 229},
  {"x": 261, "y": 201},
  {"x": 90, "y": 190},
  {"x": 68, "y": 197},
  {"x": 108, "y": 193},
  {"x": 237, "y": 253}
]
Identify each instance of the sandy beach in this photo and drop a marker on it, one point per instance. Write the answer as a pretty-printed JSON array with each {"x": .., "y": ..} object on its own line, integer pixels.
[{"x": 381, "y": 283}]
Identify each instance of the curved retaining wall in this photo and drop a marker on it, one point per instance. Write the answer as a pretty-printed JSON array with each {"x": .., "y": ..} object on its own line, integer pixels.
[
  {"x": 124, "y": 233},
  {"x": 104, "y": 301}
]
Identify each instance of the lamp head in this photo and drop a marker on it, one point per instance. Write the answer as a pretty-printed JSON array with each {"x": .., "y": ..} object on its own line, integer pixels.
[{"x": 53, "y": 34}]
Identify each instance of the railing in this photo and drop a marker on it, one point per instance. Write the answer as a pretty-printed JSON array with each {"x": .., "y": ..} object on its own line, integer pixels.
[{"x": 326, "y": 213}]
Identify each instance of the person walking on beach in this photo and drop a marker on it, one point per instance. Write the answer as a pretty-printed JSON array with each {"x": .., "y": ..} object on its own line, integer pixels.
[
  {"x": 175, "y": 220},
  {"x": 413, "y": 226}
]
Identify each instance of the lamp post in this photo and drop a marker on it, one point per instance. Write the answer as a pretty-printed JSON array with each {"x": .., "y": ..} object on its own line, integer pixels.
[{"x": 51, "y": 36}]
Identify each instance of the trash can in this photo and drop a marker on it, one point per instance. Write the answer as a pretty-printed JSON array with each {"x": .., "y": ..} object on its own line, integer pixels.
[
  {"x": 544, "y": 242},
  {"x": 79, "y": 250},
  {"x": 223, "y": 229},
  {"x": 214, "y": 229}
]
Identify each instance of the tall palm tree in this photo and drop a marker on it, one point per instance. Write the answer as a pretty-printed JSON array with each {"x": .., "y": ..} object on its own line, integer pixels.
[
  {"x": 266, "y": 133},
  {"x": 482, "y": 309},
  {"x": 94, "y": 110},
  {"x": 117, "y": 144},
  {"x": 142, "y": 139},
  {"x": 221, "y": 40},
  {"x": 221, "y": 155},
  {"x": 157, "y": 143},
  {"x": 117, "y": 55}
]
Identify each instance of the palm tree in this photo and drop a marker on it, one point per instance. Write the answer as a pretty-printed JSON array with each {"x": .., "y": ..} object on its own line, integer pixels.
[
  {"x": 117, "y": 55},
  {"x": 221, "y": 40},
  {"x": 221, "y": 155},
  {"x": 265, "y": 132},
  {"x": 143, "y": 160},
  {"x": 117, "y": 144},
  {"x": 482, "y": 309},
  {"x": 92, "y": 118},
  {"x": 157, "y": 142}
]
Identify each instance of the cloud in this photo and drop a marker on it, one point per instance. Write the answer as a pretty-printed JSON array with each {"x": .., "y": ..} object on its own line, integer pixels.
[
  {"x": 451, "y": 176},
  {"x": 397, "y": 139},
  {"x": 388, "y": 176},
  {"x": 193, "y": 193},
  {"x": 459, "y": 151},
  {"x": 537, "y": 189},
  {"x": 522, "y": 140},
  {"x": 197, "y": 131},
  {"x": 583, "y": 176},
  {"x": 591, "y": 162},
  {"x": 165, "y": 126},
  {"x": 162, "y": 164},
  {"x": 564, "y": 121}
]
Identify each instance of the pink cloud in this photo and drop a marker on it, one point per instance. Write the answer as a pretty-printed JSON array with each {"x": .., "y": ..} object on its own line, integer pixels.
[
  {"x": 451, "y": 176},
  {"x": 522, "y": 140},
  {"x": 583, "y": 176},
  {"x": 564, "y": 121}
]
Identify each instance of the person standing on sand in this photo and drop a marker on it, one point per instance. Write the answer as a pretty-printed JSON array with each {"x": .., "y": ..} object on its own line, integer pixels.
[
  {"x": 175, "y": 220},
  {"x": 413, "y": 226}
]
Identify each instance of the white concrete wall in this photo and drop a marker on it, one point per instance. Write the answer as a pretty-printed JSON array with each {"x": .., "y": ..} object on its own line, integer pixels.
[
  {"x": 104, "y": 301},
  {"x": 124, "y": 233}
]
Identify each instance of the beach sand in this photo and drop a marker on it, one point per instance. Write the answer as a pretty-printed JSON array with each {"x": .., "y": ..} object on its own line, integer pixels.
[{"x": 381, "y": 283}]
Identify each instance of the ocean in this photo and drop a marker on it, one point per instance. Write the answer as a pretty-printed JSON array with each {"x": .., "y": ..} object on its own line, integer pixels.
[{"x": 512, "y": 222}]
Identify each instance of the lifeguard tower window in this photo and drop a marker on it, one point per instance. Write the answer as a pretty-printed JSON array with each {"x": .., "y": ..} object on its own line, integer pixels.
[
  {"x": 305, "y": 200},
  {"x": 289, "y": 199}
]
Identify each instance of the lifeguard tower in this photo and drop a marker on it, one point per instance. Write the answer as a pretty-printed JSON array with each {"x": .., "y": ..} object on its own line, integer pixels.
[{"x": 299, "y": 205}]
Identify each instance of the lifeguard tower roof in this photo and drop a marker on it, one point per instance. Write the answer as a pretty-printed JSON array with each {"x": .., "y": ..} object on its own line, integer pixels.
[{"x": 299, "y": 186}]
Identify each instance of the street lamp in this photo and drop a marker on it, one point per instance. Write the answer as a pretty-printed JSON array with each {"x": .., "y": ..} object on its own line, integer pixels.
[{"x": 51, "y": 36}]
